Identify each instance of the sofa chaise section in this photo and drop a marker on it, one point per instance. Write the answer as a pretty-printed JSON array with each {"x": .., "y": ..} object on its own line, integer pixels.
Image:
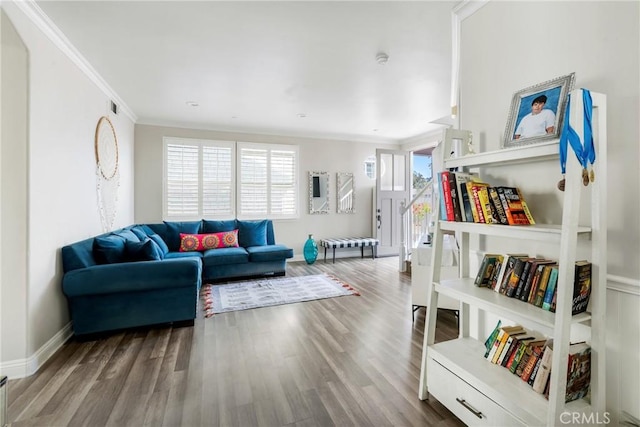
[{"x": 111, "y": 296}]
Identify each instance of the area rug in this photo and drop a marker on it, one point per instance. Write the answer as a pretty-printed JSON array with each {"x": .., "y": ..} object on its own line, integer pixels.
[{"x": 266, "y": 292}]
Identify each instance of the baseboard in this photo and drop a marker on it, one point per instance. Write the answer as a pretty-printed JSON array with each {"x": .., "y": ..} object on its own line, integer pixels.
[{"x": 25, "y": 367}]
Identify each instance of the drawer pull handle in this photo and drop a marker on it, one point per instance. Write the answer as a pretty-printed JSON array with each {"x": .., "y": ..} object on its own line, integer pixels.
[{"x": 469, "y": 407}]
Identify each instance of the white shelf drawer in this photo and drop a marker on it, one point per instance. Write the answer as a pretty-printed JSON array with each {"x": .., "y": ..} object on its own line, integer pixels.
[{"x": 471, "y": 406}]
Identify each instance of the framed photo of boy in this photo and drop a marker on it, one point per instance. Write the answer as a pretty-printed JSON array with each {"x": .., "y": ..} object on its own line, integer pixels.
[{"x": 537, "y": 112}]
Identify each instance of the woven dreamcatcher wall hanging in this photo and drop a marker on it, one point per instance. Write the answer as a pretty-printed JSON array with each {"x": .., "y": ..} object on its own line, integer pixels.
[{"x": 107, "y": 172}]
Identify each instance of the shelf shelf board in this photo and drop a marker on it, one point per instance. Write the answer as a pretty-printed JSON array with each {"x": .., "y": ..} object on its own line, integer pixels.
[
  {"x": 518, "y": 311},
  {"x": 541, "y": 232},
  {"x": 527, "y": 153},
  {"x": 464, "y": 357}
]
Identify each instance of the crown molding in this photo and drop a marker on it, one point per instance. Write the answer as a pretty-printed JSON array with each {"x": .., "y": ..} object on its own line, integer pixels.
[
  {"x": 466, "y": 8},
  {"x": 261, "y": 133},
  {"x": 49, "y": 29}
]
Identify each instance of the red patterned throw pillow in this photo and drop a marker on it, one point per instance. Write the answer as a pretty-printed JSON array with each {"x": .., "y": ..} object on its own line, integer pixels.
[{"x": 202, "y": 242}]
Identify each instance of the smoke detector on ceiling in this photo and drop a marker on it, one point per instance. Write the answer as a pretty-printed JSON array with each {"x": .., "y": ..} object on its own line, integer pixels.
[{"x": 382, "y": 58}]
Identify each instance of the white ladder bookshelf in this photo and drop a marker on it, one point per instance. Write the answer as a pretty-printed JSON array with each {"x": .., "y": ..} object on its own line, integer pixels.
[{"x": 455, "y": 372}]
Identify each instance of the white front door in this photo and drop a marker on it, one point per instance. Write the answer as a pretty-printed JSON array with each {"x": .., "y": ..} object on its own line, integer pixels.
[{"x": 393, "y": 186}]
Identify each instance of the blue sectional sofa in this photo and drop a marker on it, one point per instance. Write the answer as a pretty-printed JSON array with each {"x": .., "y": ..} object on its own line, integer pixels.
[{"x": 148, "y": 274}]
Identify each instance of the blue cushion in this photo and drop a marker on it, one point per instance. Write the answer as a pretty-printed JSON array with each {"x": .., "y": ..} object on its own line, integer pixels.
[
  {"x": 142, "y": 251},
  {"x": 144, "y": 232},
  {"x": 252, "y": 233},
  {"x": 225, "y": 256},
  {"x": 269, "y": 253},
  {"x": 209, "y": 226},
  {"x": 175, "y": 228},
  {"x": 161, "y": 244},
  {"x": 139, "y": 232},
  {"x": 127, "y": 235},
  {"x": 108, "y": 249},
  {"x": 192, "y": 254}
]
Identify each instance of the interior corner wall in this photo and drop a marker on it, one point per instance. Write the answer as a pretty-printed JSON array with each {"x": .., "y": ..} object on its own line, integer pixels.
[
  {"x": 13, "y": 193},
  {"x": 600, "y": 42},
  {"x": 64, "y": 106},
  {"x": 314, "y": 155}
]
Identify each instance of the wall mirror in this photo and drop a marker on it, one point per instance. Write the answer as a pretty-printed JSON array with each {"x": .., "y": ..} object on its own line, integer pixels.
[
  {"x": 318, "y": 192},
  {"x": 345, "y": 193}
]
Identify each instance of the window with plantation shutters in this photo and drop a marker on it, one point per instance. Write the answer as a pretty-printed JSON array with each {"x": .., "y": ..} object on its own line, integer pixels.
[
  {"x": 222, "y": 179},
  {"x": 199, "y": 179},
  {"x": 267, "y": 180}
]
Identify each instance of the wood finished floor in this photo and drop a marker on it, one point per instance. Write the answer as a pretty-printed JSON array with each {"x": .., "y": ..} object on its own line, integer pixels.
[{"x": 347, "y": 361}]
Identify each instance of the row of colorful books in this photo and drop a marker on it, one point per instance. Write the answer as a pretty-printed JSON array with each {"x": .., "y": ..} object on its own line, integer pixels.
[
  {"x": 533, "y": 280},
  {"x": 465, "y": 198},
  {"x": 529, "y": 356}
]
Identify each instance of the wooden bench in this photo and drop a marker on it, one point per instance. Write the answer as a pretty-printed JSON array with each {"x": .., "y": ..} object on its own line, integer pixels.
[{"x": 350, "y": 242}]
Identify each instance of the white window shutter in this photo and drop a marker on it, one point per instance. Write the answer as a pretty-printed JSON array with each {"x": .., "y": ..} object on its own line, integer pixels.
[
  {"x": 283, "y": 183},
  {"x": 217, "y": 181},
  {"x": 201, "y": 175},
  {"x": 253, "y": 182},
  {"x": 181, "y": 192}
]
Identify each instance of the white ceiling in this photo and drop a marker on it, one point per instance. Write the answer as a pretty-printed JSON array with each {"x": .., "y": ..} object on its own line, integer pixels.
[{"x": 255, "y": 66}]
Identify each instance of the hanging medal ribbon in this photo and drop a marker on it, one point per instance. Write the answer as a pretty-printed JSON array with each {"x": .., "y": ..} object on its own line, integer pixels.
[{"x": 585, "y": 153}]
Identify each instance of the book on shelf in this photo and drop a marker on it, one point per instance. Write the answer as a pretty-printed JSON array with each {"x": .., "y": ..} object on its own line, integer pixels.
[
  {"x": 463, "y": 196},
  {"x": 551, "y": 288},
  {"x": 487, "y": 270},
  {"x": 485, "y": 205},
  {"x": 532, "y": 361},
  {"x": 542, "y": 286},
  {"x": 497, "y": 269},
  {"x": 473, "y": 188},
  {"x": 538, "y": 362},
  {"x": 578, "y": 371},
  {"x": 494, "y": 198},
  {"x": 513, "y": 351},
  {"x": 544, "y": 370},
  {"x": 500, "y": 346},
  {"x": 505, "y": 271},
  {"x": 512, "y": 365},
  {"x": 500, "y": 341},
  {"x": 488, "y": 344},
  {"x": 504, "y": 345},
  {"x": 525, "y": 208},
  {"x": 527, "y": 275},
  {"x": 446, "y": 195},
  {"x": 530, "y": 350},
  {"x": 455, "y": 201},
  {"x": 581, "y": 287},
  {"x": 443, "y": 208},
  {"x": 536, "y": 367},
  {"x": 514, "y": 278},
  {"x": 513, "y": 205},
  {"x": 533, "y": 281},
  {"x": 514, "y": 337}
]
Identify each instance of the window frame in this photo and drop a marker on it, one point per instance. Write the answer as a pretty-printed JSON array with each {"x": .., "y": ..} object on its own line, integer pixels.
[
  {"x": 200, "y": 143},
  {"x": 236, "y": 184},
  {"x": 295, "y": 184}
]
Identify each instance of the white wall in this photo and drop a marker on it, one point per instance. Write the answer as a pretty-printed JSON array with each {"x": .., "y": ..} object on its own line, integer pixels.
[
  {"x": 13, "y": 194},
  {"x": 508, "y": 46},
  {"x": 315, "y": 155},
  {"x": 64, "y": 106}
]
